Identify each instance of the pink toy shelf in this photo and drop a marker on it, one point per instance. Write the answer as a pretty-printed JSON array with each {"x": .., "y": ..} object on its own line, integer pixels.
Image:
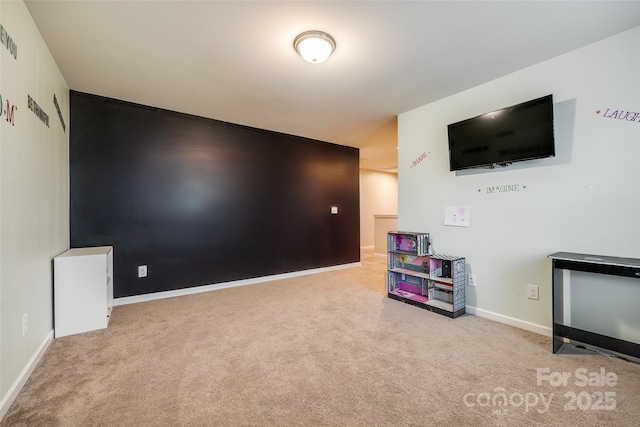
[{"x": 433, "y": 282}]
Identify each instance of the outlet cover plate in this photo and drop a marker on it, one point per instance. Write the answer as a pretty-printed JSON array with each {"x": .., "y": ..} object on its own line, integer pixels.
[
  {"x": 25, "y": 324},
  {"x": 472, "y": 280}
]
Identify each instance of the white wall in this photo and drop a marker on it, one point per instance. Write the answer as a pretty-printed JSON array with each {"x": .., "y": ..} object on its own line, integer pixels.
[
  {"x": 382, "y": 225},
  {"x": 586, "y": 199},
  {"x": 378, "y": 196},
  {"x": 34, "y": 197}
]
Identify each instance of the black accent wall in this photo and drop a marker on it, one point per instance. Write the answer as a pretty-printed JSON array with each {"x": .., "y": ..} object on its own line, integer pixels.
[{"x": 201, "y": 201}]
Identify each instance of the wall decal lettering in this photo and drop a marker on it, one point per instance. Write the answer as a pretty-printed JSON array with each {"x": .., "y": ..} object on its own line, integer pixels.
[
  {"x": 505, "y": 188},
  {"x": 55, "y": 102},
  {"x": 419, "y": 159},
  {"x": 9, "y": 112},
  {"x": 39, "y": 112},
  {"x": 629, "y": 116},
  {"x": 8, "y": 42}
]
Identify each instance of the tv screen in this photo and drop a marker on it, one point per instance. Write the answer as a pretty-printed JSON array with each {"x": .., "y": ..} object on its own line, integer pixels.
[{"x": 520, "y": 132}]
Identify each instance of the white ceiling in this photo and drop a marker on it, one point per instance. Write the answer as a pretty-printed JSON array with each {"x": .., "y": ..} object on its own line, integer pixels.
[{"x": 234, "y": 60}]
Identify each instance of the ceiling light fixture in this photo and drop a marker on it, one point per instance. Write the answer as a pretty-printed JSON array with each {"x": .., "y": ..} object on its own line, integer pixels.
[{"x": 314, "y": 46}]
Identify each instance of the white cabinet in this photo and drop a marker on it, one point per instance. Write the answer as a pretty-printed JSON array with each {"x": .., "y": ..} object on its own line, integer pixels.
[{"x": 83, "y": 290}]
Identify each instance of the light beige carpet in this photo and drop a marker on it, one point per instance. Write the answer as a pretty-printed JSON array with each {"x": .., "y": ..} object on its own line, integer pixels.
[{"x": 323, "y": 350}]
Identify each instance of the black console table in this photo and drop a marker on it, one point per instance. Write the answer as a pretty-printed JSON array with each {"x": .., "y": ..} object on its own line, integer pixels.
[{"x": 614, "y": 266}]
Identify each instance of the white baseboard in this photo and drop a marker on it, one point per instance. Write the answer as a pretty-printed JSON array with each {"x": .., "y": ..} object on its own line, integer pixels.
[
  {"x": 13, "y": 392},
  {"x": 207, "y": 288},
  {"x": 367, "y": 247},
  {"x": 382, "y": 255},
  {"x": 512, "y": 321}
]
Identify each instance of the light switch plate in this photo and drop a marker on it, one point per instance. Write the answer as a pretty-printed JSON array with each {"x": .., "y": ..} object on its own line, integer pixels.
[
  {"x": 334, "y": 210},
  {"x": 142, "y": 271}
]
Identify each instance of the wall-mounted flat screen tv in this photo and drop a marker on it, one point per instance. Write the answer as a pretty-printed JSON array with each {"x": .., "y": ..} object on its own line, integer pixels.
[{"x": 520, "y": 132}]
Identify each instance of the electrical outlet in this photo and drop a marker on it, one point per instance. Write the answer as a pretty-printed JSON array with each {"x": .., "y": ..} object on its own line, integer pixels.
[
  {"x": 142, "y": 271},
  {"x": 25, "y": 324},
  {"x": 472, "y": 280},
  {"x": 532, "y": 292}
]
